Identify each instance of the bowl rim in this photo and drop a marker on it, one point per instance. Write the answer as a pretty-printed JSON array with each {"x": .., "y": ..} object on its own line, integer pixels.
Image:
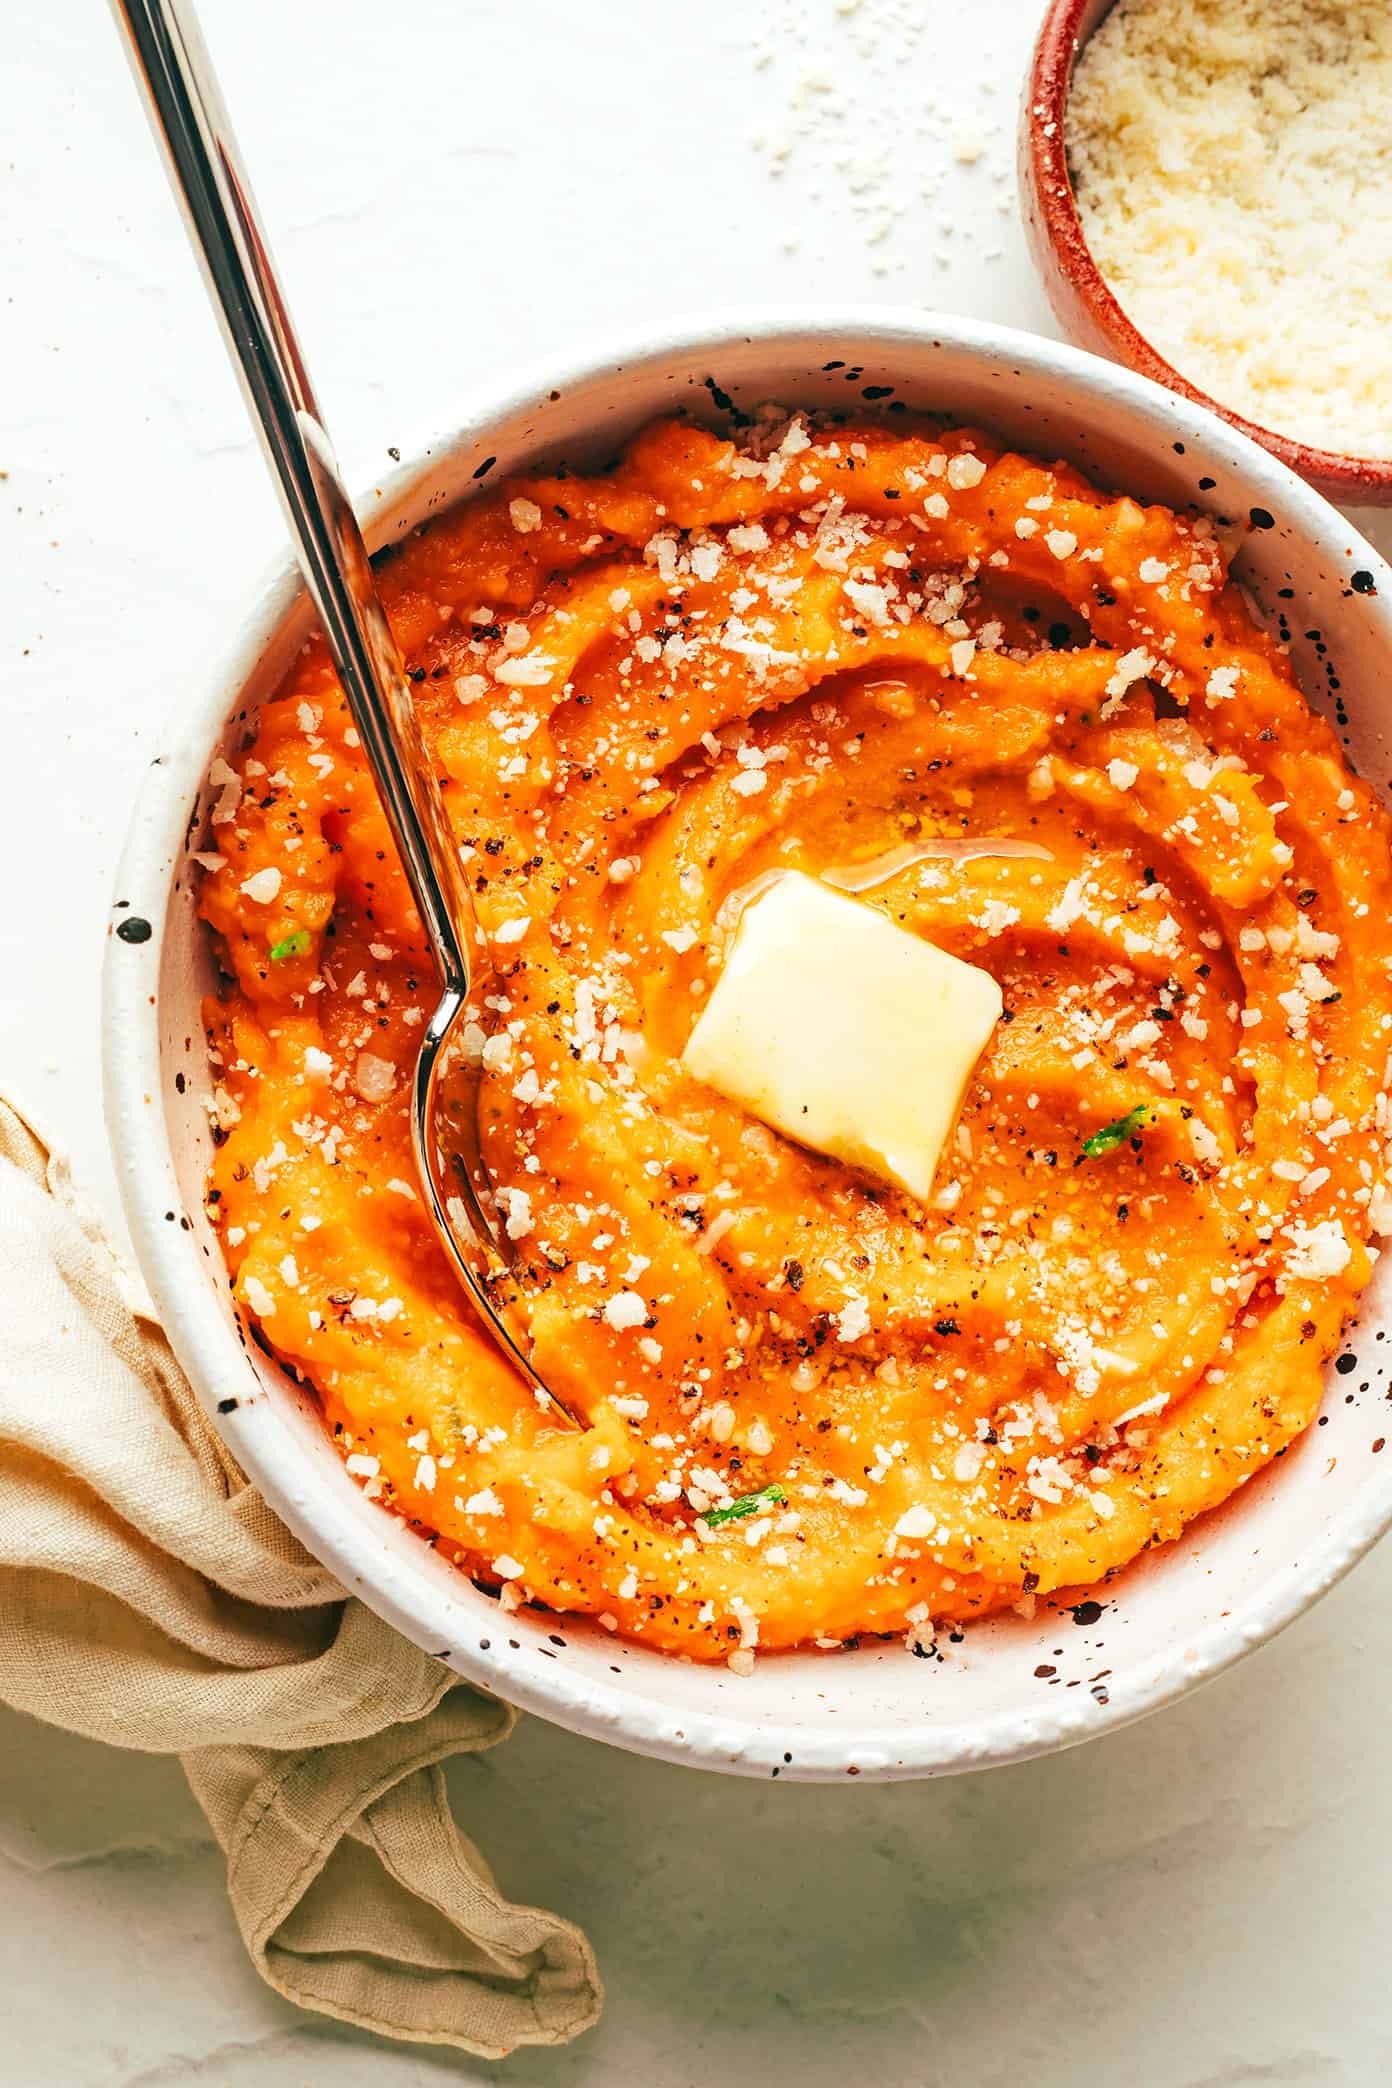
[
  {"x": 172, "y": 1262},
  {"x": 1342, "y": 474}
]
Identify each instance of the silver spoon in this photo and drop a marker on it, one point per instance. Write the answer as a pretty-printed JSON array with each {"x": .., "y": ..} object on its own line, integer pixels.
[{"x": 172, "y": 66}]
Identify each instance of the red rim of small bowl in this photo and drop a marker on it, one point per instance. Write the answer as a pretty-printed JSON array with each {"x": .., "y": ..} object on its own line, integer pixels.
[{"x": 1076, "y": 288}]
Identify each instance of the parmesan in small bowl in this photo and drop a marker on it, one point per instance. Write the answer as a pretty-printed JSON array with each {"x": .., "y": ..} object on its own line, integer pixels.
[{"x": 1207, "y": 189}]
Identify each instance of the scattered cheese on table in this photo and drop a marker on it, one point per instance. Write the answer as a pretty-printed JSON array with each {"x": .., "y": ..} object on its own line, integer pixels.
[
  {"x": 843, "y": 1031},
  {"x": 1233, "y": 169}
]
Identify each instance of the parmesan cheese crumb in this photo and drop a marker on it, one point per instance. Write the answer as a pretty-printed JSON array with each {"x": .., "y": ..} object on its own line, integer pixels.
[
  {"x": 965, "y": 471},
  {"x": 1318, "y": 1251},
  {"x": 263, "y": 886},
  {"x": 625, "y": 1309},
  {"x": 373, "y": 1077}
]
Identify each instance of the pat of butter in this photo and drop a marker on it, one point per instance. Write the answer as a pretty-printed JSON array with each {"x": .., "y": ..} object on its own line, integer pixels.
[{"x": 843, "y": 1031}]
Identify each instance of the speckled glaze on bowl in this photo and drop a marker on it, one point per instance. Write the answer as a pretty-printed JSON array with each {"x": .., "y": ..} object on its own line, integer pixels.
[
  {"x": 1011, "y": 1688},
  {"x": 1075, "y": 286}
]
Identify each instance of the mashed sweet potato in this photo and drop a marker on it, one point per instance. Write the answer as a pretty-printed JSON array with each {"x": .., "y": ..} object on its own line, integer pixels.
[{"x": 817, "y": 1408}]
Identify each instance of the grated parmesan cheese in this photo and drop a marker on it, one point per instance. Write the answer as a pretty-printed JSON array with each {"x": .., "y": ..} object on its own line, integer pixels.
[{"x": 1233, "y": 169}]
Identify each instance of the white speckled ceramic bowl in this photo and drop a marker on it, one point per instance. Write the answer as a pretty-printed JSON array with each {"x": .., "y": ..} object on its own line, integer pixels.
[{"x": 1011, "y": 1688}]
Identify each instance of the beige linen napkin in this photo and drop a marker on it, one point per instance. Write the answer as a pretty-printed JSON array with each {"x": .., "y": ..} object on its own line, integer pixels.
[{"x": 149, "y": 1597}]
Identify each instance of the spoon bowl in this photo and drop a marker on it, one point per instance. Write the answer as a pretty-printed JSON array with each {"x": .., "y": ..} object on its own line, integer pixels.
[{"x": 459, "y": 1194}]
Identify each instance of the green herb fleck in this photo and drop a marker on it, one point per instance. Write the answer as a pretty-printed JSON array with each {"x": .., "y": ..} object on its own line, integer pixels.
[
  {"x": 747, "y": 1504},
  {"x": 295, "y": 945},
  {"x": 1112, "y": 1135}
]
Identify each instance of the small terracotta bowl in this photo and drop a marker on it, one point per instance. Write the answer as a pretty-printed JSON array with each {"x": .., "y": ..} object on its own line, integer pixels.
[{"x": 1082, "y": 302}]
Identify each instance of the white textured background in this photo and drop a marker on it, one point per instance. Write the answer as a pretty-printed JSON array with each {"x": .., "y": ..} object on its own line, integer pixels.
[{"x": 453, "y": 187}]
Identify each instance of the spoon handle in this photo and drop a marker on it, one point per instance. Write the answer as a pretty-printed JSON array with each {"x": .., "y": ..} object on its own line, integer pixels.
[{"x": 174, "y": 70}]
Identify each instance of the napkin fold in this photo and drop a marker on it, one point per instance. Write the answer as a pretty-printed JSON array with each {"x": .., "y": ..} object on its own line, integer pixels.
[{"x": 149, "y": 1597}]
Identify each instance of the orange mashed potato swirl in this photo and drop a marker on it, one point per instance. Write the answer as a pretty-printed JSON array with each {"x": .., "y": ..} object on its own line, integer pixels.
[{"x": 816, "y": 1408}]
